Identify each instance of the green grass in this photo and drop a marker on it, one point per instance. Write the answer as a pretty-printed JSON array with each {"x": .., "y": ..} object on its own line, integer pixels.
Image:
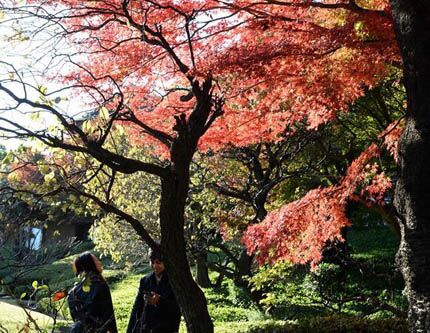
[
  {"x": 221, "y": 309},
  {"x": 123, "y": 295},
  {"x": 231, "y": 313},
  {"x": 376, "y": 243}
]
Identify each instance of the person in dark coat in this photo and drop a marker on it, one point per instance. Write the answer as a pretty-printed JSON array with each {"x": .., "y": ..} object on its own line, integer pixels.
[
  {"x": 155, "y": 309},
  {"x": 90, "y": 302}
]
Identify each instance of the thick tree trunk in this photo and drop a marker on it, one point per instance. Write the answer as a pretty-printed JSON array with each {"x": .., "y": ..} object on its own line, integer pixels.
[
  {"x": 202, "y": 277},
  {"x": 190, "y": 297},
  {"x": 412, "y": 200},
  {"x": 174, "y": 193}
]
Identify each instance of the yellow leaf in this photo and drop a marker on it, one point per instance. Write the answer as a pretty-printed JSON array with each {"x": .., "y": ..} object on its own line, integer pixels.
[
  {"x": 49, "y": 177},
  {"x": 104, "y": 113}
]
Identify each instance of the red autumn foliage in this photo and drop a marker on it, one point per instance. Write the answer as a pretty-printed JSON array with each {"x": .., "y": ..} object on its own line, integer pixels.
[
  {"x": 275, "y": 63},
  {"x": 25, "y": 174},
  {"x": 391, "y": 137},
  {"x": 294, "y": 61},
  {"x": 299, "y": 231}
]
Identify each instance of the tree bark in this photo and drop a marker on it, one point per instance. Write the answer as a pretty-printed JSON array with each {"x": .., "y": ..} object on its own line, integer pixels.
[
  {"x": 412, "y": 197},
  {"x": 174, "y": 193},
  {"x": 202, "y": 277},
  {"x": 243, "y": 273},
  {"x": 190, "y": 297}
]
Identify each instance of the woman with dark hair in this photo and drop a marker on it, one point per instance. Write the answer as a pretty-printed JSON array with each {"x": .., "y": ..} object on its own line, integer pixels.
[{"x": 90, "y": 302}]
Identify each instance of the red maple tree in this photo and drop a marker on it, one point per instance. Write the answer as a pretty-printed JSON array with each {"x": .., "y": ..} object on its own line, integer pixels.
[{"x": 202, "y": 75}]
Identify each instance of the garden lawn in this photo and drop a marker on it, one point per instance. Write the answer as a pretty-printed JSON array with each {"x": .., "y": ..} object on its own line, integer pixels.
[
  {"x": 227, "y": 317},
  {"x": 231, "y": 313}
]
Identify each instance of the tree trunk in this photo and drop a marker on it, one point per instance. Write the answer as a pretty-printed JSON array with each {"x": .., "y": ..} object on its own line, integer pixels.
[
  {"x": 190, "y": 297},
  {"x": 244, "y": 264},
  {"x": 174, "y": 193},
  {"x": 243, "y": 273},
  {"x": 412, "y": 198},
  {"x": 202, "y": 277}
]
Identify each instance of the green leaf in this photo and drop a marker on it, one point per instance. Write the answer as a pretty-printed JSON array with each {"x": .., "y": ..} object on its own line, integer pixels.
[
  {"x": 120, "y": 130},
  {"x": 44, "y": 169},
  {"x": 22, "y": 295},
  {"x": 35, "y": 284}
]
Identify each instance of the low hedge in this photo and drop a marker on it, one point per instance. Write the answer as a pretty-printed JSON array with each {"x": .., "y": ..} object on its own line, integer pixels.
[{"x": 330, "y": 324}]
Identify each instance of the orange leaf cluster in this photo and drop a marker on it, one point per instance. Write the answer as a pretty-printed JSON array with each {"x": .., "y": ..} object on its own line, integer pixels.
[{"x": 59, "y": 295}]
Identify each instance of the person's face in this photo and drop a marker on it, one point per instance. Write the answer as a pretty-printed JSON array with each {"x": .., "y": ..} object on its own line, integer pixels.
[
  {"x": 157, "y": 266},
  {"x": 74, "y": 267}
]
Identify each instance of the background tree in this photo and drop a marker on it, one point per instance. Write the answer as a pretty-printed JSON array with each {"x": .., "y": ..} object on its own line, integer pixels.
[
  {"x": 304, "y": 161},
  {"x": 256, "y": 171}
]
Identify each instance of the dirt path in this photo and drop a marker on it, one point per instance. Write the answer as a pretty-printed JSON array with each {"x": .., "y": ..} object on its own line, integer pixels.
[{"x": 13, "y": 317}]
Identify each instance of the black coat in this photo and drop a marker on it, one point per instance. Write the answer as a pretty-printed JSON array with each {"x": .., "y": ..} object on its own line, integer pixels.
[
  {"x": 91, "y": 308},
  {"x": 161, "y": 318}
]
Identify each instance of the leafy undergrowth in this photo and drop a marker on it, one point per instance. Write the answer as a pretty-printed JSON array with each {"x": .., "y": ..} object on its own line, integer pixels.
[
  {"x": 331, "y": 324},
  {"x": 367, "y": 285},
  {"x": 293, "y": 302},
  {"x": 297, "y": 300}
]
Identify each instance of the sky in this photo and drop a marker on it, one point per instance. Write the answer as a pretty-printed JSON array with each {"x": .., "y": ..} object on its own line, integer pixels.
[{"x": 28, "y": 56}]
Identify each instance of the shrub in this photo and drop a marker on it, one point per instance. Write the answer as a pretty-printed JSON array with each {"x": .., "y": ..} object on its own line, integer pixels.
[
  {"x": 47, "y": 306},
  {"x": 266, "y": 326},
  {"x": 331, "y": 324},
  {"x": 227, "y": 313}
]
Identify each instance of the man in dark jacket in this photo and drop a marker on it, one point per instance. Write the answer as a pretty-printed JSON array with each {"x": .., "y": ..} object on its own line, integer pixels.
[{"x": 155, "y": 309}]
